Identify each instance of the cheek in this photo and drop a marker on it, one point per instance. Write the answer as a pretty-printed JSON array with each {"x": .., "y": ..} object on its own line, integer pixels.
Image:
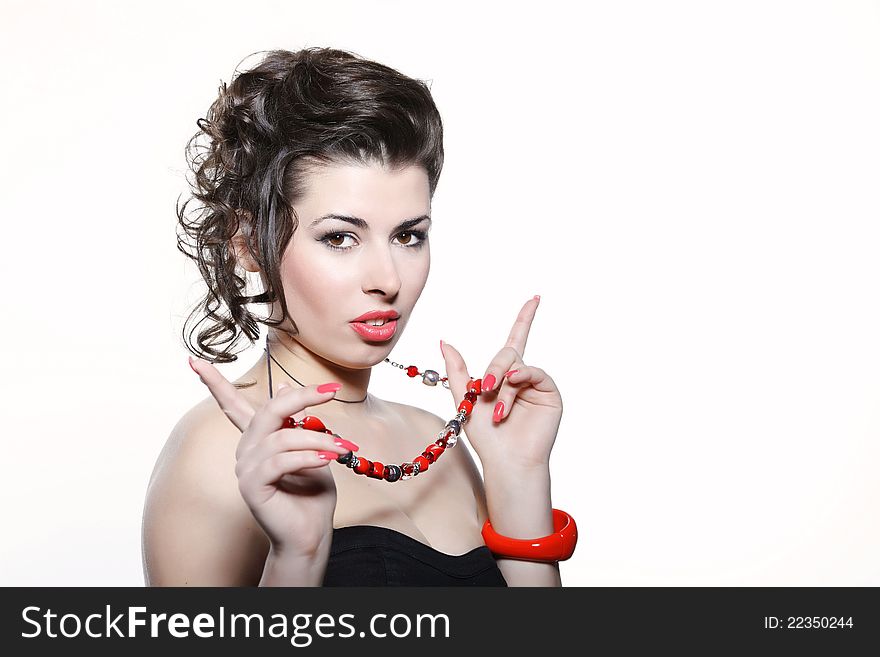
[
  {"x": 311, "y": 280},
  {"x": 423, "y": 270}
]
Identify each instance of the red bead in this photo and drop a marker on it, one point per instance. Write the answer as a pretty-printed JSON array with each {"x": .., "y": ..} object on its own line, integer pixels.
[
  {"x": 412, "y": 370},
  {"x": 377, "y": 471},
  {"x": 476, "y": 386},
  {"x": 423, "y": 463},
  {"x": 407, "y": 468},
  {"x": 313, "y": 424},
  {"x": 363, "y": 466},
  {"x": 466, "y": 406},
  {"x": 470, "y": 396},
  {"x": 433, "y": 452},
  {"x": 289, "y": 423}
]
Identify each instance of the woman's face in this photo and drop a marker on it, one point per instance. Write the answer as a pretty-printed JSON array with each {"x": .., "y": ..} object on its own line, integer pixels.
[{"x": 372, "y": 254}]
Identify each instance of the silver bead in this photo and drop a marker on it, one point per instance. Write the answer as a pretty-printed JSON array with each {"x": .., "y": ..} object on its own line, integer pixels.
[
  {"x": 454, "y": 426},
  {"x": 430, "y": 378},
  {"x": 354, "y": 462}
]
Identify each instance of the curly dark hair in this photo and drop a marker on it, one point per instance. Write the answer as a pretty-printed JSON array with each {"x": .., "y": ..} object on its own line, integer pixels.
[{"x": 275, "y": 121}]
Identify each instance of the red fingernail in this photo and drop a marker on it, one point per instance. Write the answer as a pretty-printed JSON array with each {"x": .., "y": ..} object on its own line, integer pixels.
[
  {"x": 328, "y": 456},
  {"x": 342, "y": 442},
  {"x": 488, "y": 383},
  {"x": 511, "y": 372},
  {"x": 329, "y": 387},
  {"x": 499, "y": 411}
]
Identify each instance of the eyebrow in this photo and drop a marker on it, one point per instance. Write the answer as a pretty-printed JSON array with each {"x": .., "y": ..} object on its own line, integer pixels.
[{"x": 360, "y": 223}]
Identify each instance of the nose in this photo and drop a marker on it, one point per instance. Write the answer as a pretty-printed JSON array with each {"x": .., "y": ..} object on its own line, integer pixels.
[{"x": 381, "y": 275}]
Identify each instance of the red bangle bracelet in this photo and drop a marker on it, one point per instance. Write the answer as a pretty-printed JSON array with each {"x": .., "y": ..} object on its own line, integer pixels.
[{"x": 557, "y": 546}]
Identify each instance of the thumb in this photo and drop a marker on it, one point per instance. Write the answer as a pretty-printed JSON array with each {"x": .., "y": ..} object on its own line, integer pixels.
[{"x": 456, "y": 371}]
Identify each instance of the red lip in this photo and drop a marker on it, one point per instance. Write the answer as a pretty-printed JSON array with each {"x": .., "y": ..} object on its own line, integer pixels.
[
  {"x": 387, "y": 315},
  {"x": 376, "y": 333}
]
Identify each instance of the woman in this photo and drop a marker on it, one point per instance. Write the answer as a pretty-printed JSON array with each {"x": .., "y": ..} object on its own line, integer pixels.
[{"x": 318, "y": 178}]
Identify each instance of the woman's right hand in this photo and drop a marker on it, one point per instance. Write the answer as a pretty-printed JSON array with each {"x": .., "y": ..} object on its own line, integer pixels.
[{"x": 281, "y": 473}]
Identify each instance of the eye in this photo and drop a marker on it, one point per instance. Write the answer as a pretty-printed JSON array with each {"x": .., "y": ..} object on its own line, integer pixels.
[
  {"x": 418, "y": 234},
  {"x": 327, "y": 239}
]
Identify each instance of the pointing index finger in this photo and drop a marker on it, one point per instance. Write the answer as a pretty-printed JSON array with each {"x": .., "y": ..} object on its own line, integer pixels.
[
  {"x": 230, "y": 400},
  {"x": 519, "y": 334}
]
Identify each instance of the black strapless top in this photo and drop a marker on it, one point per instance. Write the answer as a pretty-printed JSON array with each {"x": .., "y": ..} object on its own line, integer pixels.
[{"x": 366, "y": 555}]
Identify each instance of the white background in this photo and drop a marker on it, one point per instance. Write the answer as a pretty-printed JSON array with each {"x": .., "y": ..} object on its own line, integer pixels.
[{"x": 692, "y": 187}]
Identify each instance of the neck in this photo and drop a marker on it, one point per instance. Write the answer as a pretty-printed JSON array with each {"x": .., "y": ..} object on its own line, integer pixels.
[{"x": 308, "y": 368}]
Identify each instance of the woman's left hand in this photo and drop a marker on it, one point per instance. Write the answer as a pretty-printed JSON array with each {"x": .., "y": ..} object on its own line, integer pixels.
[{"x": 515, "y": 423}]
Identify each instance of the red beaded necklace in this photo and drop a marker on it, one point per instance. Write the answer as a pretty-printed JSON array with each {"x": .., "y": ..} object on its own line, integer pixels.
[{"x": 446, "y": 439}]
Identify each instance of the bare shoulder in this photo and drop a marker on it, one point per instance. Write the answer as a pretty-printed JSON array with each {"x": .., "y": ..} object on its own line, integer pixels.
[
  {"x": 201, "y": 438},
  {"x": 197, "y": 530}
]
